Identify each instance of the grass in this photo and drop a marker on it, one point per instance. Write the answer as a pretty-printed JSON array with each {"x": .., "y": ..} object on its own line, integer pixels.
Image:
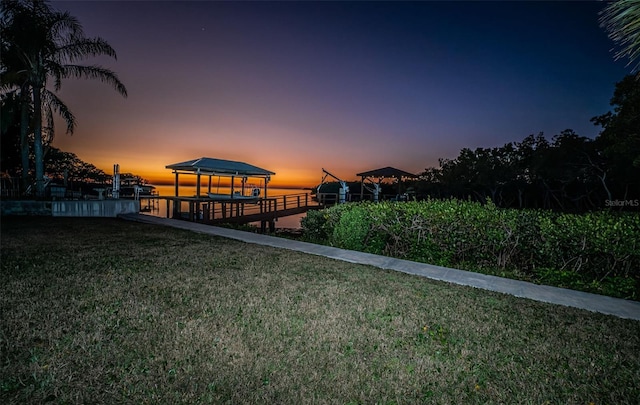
[{"x": 108, "y": 311}]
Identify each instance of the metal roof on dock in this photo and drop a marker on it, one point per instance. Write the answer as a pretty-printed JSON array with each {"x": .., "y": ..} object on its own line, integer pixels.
[
  {"x": 206, "y": 165},
  {"x": 387, "y": 172}
]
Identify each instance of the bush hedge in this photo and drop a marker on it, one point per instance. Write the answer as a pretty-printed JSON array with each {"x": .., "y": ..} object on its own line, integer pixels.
[{"x": 597, "y": 251}]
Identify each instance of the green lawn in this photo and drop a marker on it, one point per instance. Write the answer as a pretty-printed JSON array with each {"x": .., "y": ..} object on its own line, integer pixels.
[{"x": 109, "y": 311}]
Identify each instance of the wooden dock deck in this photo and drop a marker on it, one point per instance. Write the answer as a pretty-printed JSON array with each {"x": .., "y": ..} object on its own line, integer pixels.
[{"x": 209, "y": 211}]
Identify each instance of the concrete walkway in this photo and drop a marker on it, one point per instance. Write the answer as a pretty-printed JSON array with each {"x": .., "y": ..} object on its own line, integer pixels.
[{"x": 554, "y": 295}]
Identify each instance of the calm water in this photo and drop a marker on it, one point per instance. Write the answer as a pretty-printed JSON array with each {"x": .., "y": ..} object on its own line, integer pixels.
[{"x": 160, "y": 208}]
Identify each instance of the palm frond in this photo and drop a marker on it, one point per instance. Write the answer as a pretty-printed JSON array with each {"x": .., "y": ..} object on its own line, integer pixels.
[
  {"x": 54, "y": 104},
  {"x": 621, "y": 21},
  {"x": 56, "y": 71},
  {"x": 64, "y": 24},
  {"x": 86, "y": 47},
  {"x": 10, "y": 79},
  {"x": 95, "y": 72}
]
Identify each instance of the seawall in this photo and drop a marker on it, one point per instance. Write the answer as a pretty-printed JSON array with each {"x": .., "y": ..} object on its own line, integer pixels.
[{"x": 80, "y": 208}]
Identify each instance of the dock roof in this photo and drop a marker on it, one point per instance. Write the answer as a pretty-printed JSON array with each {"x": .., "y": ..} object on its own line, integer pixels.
[
  {"x": 206, "y": 165},
  {"x": 387, "y": 172}
]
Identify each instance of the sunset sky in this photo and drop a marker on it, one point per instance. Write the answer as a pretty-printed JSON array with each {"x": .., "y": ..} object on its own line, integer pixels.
[{"x": 293, "y": 87}]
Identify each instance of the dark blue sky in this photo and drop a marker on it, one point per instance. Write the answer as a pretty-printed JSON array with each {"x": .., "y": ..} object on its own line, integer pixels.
[{"x": 349, "y": 86}]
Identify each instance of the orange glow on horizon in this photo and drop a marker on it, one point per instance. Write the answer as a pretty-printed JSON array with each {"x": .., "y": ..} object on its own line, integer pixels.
[
  {"x": 166, "y": 177},
  {"x": 293, "y": 173},
  {"x": 295, "y": 167}
]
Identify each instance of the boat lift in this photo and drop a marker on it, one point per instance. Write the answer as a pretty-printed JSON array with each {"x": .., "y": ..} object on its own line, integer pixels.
[
  {"x": 344, "y": 189},
  {"x": 373, "y": 188}
]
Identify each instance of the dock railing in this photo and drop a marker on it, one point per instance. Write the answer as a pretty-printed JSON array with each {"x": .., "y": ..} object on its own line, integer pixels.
[{"x": 265, "y": 210}]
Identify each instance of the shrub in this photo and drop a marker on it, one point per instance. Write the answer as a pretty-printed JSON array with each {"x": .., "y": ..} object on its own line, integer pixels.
[
  {"x": 319, "y": 225},
  {"x": 356, "y": 230},
  {"x": 595, "y": 251},
  {"x": 602, "y": 244}
]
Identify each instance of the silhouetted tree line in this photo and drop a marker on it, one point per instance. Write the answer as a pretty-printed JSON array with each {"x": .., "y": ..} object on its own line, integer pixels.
[
  {"x": 66, "y": 166},
  {"x": 58, "y": 165},
  {"x": 568, "y": 173}
]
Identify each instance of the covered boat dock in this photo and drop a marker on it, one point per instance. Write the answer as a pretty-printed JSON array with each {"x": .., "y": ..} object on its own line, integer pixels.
[
  {"x": 241, "y": 205},
  {"x": 372, "y": 179},
  {"x": 211, "y": 167}
]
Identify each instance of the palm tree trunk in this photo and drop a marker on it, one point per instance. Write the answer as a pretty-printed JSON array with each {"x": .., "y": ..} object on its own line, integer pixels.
[
  {"x": 37, "y": 142},
  {"x": 24, "y": 140}
]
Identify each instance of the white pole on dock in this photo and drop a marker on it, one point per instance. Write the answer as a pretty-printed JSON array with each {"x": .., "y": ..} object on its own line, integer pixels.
[{"x": 115, "y": 192}]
